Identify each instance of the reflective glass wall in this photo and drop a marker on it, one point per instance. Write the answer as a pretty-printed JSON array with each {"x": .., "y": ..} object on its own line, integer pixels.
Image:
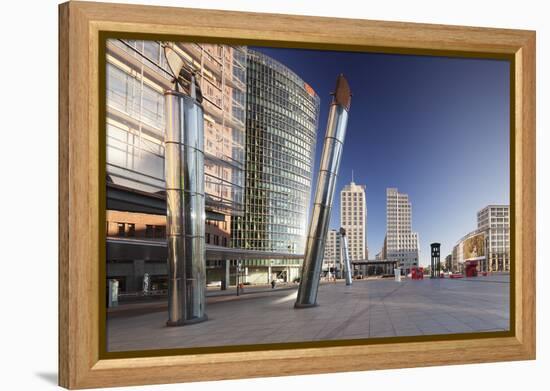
[
  {"x": 282, "y": 119},
  {"x": 137, "y": 75}
]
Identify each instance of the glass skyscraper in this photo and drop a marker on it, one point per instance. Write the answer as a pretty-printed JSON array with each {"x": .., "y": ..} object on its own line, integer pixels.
[{"x": 281, "y": 130}]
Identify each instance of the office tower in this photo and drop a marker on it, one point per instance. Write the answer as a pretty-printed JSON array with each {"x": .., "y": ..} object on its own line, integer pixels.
[
  {"x": 488, "y": 246},
  {"x": 353, "y": 218},
  {"x": 281, "y": 130},
  {"x": 495, "y": 221},
  {"x": 332, "y": 250},
  {"x": 401, "y": 244}
]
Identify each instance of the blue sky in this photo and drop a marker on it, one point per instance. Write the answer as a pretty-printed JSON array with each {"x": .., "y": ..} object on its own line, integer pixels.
[{"x": 436, "y": 128}]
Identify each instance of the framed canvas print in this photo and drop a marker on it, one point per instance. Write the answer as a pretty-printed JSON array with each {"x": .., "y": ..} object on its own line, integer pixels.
[{"x": 247, "y": 195}]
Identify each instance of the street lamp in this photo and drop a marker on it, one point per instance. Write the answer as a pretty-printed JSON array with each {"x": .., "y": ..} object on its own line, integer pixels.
[{"x": 238, "y": 272}]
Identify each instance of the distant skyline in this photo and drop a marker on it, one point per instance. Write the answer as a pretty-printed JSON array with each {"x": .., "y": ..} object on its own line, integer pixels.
[{"x": 437, "y": 128}]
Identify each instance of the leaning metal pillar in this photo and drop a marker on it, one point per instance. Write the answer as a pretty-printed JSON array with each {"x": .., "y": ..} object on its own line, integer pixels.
[
  {"x": 345, "y": 255},
  {"x": 324, "y": 194},
  {"x": 184, "y": 170}
]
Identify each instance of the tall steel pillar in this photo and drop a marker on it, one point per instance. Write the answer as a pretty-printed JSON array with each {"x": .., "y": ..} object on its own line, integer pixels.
[
  {"x": 184, "y": 171},
  {"x": 324, "y": 194},
  {"x": 344, "y": 253}
]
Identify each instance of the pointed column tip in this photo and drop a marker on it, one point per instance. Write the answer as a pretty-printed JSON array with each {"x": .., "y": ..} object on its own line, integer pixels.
[{"x": 342, "y": 93}]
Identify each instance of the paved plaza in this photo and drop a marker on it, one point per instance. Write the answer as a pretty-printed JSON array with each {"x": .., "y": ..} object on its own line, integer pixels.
[{"x": 367, "y": 309}]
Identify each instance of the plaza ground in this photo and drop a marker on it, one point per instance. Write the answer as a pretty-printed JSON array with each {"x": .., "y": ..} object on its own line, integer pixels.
[{"x": 367, "y": 309}]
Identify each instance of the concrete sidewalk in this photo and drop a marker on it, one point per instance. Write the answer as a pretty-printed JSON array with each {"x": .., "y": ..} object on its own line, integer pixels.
[{"x": 367, "y": 309}]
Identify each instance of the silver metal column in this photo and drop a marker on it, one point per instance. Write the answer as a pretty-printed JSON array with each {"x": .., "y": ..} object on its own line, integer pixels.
[
  {"x": 184, "y": 171},
  {"x": 344, "y": 253},
  {"x": 324, "y": 194}
]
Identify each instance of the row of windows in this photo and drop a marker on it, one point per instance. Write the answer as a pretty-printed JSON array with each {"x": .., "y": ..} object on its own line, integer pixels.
[
  {"x": 288, "y": 126},
  {"x": 284, "y": 177},
  {"x": 128, "y": 150},
  {"x": 284, "y": 185},
  {"x": 267, "y": 245},
  {"x": 291, "y": 199},
  {"x": 261, "y": 149},
  {"x": 284, "y": 168},
  {"x": 355, "y": 215},
  {"x": 151, "y": 231},
  {"x": 282, "y": 105},
  {"x": 348, "y": 197},
  {"x": 263, "y": 206},
  {"x": 257, "y": 136},
  {"x": 282, "y": 80},
  {"x": 274, "y": 120},
  {"x": 346, "y": 222},
  {"x": 269, "y": 227},
  {"x": 294, "y": 115},
  {"x": 215, "y": 239},
  {"x": 279, "y": 89},
  {"x": 129, "y": 95}
]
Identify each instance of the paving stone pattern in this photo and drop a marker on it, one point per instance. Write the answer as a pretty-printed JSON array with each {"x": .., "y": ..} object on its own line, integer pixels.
[{"x": 367, "y": 309}]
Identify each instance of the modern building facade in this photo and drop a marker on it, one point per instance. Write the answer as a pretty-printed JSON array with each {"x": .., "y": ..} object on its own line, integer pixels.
[
  {"x": 281, "y": 130},
  {"x": 137, "y": 75},
  {"x": 448, "y": 264},
  {"x": 332, "y": 251},
  {"x": 489, "y": 244},
  {"x": 471, "y": 248},
  {"x": 275, "y": 133},
  {"x": 495, "y": 220},
  {"x": 353, "y": 218},
  {"x": 401, "y": 244},
  {"x": 456, "y": 254}
]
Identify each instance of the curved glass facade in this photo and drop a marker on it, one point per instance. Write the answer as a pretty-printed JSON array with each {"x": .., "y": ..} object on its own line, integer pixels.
[{"x": 281, "y": 130}]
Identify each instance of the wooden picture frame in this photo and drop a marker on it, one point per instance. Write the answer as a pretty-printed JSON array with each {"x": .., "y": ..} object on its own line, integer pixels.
[{"x": 81, "y": 25}]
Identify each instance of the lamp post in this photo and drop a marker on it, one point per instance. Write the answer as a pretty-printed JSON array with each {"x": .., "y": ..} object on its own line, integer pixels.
[{"x": 237, "y": 274}]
